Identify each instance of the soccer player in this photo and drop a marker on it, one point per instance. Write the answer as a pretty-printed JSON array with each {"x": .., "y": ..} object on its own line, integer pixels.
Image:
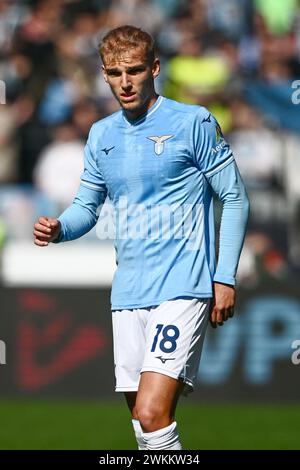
[{"x": 159, "y": 162}]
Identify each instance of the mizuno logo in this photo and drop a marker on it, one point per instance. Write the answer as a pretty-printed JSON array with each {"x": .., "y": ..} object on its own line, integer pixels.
[
  {"x": 164, "y": 359},
  {"x": 107, "y": 150},
  {"x": 159, "y": 143},
  {"x": 206, "y": 119}
]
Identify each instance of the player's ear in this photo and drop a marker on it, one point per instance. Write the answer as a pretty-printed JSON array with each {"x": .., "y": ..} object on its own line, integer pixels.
[
  {"x": 104, "y": 73},
  {"x": 156, "y": 67}
]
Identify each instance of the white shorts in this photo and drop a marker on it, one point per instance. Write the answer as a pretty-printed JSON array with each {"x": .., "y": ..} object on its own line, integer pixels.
[{"x": 167, "y": 339}]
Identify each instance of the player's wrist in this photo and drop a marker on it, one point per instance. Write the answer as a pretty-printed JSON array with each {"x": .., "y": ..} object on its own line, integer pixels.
[
  {"x": 232, "y": 286},
  {"x": 57, "y": 233}
]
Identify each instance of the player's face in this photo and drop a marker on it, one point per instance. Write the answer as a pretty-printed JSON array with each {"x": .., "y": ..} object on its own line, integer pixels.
[{"x": 131, "y": 79}]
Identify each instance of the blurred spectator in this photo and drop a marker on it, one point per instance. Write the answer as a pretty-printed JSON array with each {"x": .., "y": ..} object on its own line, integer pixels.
[
  {"x": 273, "y": 100},
  {"x": 8, "y": 148},
  {"x": 270, "y": 90},
  {"x": 270, "y": 261},
  {"x": 84, "y": 114},
  {"x": 279, "y": 16},
  {"x": 146, "y": 15},
  {"x": 12, "y": 14},
  {"x": 292, "y": 172},
  {"x": 33, "y": 136},
  {"x": 169, "y": 7},
  {"x": 193, "y": 75},
  {"x": 257, "y": 149},
  {"x": 197, "y": 76},
  {"x": 57, "y": 173},
  {"x": 232, "y": 18},
  {"x": 2, "y": 241},
  {"x": 43, "y": 22}
]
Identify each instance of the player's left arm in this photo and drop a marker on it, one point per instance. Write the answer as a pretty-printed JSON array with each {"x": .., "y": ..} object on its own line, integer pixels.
[
  {"x": 215, "y": 160},
  {"x": 228, "y": 185}
]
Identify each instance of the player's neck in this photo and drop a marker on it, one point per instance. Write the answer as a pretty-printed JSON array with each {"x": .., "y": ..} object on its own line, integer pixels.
[{"x": 135, "y": 114}]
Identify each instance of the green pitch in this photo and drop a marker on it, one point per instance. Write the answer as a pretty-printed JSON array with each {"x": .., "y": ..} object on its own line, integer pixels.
[{"x": 106, "y": 426}]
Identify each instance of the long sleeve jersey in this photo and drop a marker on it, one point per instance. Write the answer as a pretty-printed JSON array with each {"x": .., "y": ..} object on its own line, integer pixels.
[{"x": 160, "y": 172}]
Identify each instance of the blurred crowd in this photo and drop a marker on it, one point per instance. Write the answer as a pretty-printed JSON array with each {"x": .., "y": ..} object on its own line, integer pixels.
[{"x": 239, "y": 58}]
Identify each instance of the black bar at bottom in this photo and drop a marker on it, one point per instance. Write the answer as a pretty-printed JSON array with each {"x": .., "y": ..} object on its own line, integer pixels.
[{"x": 137, "y": 459}]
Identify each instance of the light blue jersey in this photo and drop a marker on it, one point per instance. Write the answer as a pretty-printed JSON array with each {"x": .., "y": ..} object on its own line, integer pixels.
[{"x": 159, "y": 173}]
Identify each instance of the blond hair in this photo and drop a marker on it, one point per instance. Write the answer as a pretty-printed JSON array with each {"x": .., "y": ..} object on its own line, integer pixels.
[{"x": 124, "y": 38}]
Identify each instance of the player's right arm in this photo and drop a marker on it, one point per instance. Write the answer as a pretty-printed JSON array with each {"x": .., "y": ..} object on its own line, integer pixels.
[{"x": 81, "y": 216}]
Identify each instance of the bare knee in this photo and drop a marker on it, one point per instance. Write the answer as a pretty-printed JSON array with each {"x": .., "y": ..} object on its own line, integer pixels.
[{"x": 153, "y": 417}]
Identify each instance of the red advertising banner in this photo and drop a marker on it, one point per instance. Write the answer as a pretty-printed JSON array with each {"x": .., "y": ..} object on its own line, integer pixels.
[{"x": 58, "y": 343}]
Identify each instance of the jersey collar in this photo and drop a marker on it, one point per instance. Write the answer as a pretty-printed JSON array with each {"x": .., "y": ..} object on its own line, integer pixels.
[{"x": 145, "y": 115}]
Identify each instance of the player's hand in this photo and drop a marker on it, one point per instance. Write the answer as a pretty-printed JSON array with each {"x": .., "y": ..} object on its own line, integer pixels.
[
  {"x": 223, "y": 304},
  {"x": 46, "y": 230}
]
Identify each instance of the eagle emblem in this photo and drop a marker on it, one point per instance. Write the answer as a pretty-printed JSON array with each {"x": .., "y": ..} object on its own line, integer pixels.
[{"x": 159, "y": 143}]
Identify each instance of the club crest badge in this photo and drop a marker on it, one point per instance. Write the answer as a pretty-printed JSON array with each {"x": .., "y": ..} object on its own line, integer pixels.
[{"x": 159, "y": 146}]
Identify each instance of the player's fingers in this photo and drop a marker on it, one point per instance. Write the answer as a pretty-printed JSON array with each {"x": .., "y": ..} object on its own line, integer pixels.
[
  {"x": 53, "y": 222},
  {"x": 40, "y": 242},
  {"x": 225, "y": 315},
  {"x": 213, "y": 318},
  {"x": 41, "y": 235},
  {"x": 220, "y": 316},
  {"x": 44, "y": 221},
  {"x": 42, "y": 227},
  {"x": 231, "y": 312},
  {"x": 213, "y": 315}
]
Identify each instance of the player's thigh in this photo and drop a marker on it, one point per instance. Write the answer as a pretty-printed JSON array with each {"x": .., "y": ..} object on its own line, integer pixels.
[
  {"x": 129, "y": 348},
  {"x": 174, "y": 337},
  {"x": 158, "y": 394}
]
